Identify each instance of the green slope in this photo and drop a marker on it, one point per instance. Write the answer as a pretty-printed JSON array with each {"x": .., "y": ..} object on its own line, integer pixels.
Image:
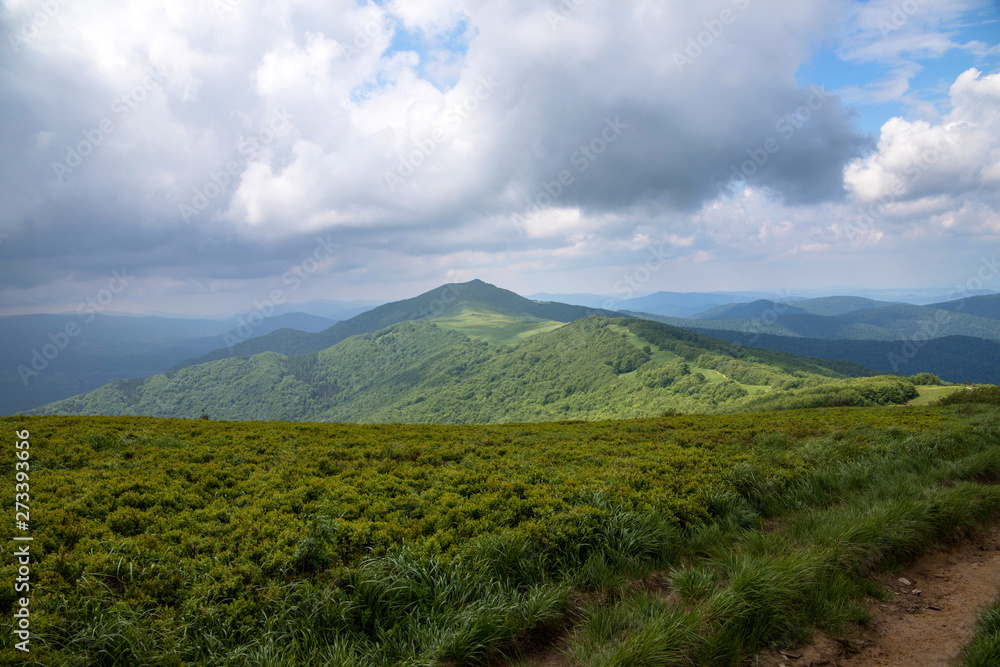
[
  {"x": 420, "y": 372},
  {"x": 488, "y": 323},
  {"x": 428, "y": 306}
]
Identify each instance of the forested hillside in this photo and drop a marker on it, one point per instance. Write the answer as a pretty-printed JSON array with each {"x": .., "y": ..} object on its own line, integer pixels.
[
  {"x": 420, "y": 372},
  {"x": 427, "y": 306}
]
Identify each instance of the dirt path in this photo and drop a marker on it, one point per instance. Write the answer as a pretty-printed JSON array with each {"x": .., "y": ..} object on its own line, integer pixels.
[
  {"x": 928, "y": 620},
  {"x": 931, "y": 615}
]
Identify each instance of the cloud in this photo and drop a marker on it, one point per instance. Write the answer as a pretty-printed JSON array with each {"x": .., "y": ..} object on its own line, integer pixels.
[
  {"x": 917, "y": 159},
  {"x": 222, "y": 139},
  {"x": 900, "y": 36}
]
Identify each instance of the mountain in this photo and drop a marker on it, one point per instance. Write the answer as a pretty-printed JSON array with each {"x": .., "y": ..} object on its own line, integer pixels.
[
  {"x": 915, "y": 296},
  {"x": 575, "y": 299},
  {"x": 682, "y": 304},
  {"x": 980, "y": 306},
  {"x": 293, "y": 320},
  {"x": 440, "y": 302},
  {"x": 44, "y": 358},
  {"x": 838, "y": 305},
  {"x": 905, "y": 321},
  {"x": 735, "y": 311},
  {"x": 418, "y": 371},
  {"x": 951, "y": 358},
  {"x": 892, "y": 322},
  {"x": 330, "y": 309}
]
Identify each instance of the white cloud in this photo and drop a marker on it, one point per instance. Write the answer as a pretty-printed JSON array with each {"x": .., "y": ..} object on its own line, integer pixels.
[{"x": 917, "y": 159}]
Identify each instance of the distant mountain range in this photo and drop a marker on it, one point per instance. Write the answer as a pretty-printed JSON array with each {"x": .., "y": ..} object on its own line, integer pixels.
[
  {"x": 980, "y": 306},
  {"x": 824, "y": 306},
  {"x": 47, "y": 357},
  {"x": 870, "y": 322},
  {"x": 690, "y": 304},
  {"x": 951, "y": 358}
]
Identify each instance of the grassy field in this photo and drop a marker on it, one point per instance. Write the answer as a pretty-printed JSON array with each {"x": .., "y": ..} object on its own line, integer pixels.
[
  {"x": 495, "y": 328},
  {"x": 929, "y": 394},
  {"x": 169, "y": 542}
]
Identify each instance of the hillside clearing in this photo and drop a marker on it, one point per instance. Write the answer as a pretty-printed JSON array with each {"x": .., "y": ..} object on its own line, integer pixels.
[{"x": 931, "y": 393}]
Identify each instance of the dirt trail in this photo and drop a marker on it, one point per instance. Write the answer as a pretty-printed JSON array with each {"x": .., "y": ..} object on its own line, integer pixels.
[
  {"x": 916, "y": 629},
  {"x": 925, "y": 628}
]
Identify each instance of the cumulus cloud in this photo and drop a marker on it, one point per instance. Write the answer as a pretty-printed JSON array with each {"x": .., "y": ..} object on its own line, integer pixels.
[
  {"x": 217, "y": 141},
  {"x": 937, "y": 166}
]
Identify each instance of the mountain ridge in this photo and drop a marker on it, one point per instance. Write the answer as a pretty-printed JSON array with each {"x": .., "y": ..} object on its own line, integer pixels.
[
  {"x": 419, "y": 372},
  {"x": 425, "y": 306}
]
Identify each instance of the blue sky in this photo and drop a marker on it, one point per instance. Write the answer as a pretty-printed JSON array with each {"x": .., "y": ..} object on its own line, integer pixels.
[
  {"x": 224, "y": 152},
  {"x": 930, "y": 83}
]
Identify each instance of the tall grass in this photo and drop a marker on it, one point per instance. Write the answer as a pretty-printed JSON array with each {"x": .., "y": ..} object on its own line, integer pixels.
[
  {"x": 752, "y": 585},
  {"x": 984, "y": 648},
  {"x": 781, "y": 554}
]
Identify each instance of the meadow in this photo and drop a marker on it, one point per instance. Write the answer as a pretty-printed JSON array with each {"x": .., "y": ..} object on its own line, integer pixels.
[{"x": 170, "y": 542}]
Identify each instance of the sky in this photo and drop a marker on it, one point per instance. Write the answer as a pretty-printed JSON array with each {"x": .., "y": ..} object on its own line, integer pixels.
[{"x": 209, "y": 157}]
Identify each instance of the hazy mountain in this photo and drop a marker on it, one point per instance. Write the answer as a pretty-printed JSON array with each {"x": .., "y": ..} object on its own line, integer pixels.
[
  {"x": 683, "y": 304},
  {"x": 759, "y": 308},
  {"x": 838, "y": 305},
  {"x": 913, "y": 296},
  {"x": 298, "y": 321},
  {"x": 951, "y": 358},
  {"x": 44, "y": 358},
  {"x": 981, "y": 306},
  {"x": 330, "y": 309},
  {"x": 574, "y": 299},
  {"x": 893, "y": 322}
]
